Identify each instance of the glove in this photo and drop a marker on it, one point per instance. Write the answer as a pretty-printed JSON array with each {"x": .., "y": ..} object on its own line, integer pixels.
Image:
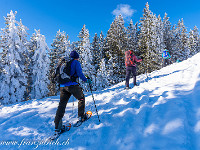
[{"x": 89, "y": 81}]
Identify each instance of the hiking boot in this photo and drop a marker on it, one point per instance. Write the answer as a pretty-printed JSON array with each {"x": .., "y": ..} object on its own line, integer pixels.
[
  {"x": 57, "y": 132},
  {"x": 83, "y": 118}
]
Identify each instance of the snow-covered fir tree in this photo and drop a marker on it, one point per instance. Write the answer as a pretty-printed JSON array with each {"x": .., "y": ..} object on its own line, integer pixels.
[
  {"x": 102, "y": 75},
  {"x": 22, "y": 32},
  {"x": 197, "y": 38},
  {"x": 40, "y": 67},
  {"x": 117, "y": 41},
  {"x": 160, "y": 45},
  {"x": 194, "y": 46},
  {"x": 101, "y": 46},
  {"x": 181, "y": 49},
  {"x": 14, "y": 77},
  {"x": 60, "y": 47},
  {"x": 95, "y": 48},
  {"x": 74, "y": 46},
  {"x": 132, "y": 33},
  {"x": 111, "y": 76},
  {"x": 167, "y": 33},
  {"x": 96, "y": 54},
  {"x": 173, "y": 49},
  {"x": 86, "y": 55},
  {"x": 147, "y": 42}
]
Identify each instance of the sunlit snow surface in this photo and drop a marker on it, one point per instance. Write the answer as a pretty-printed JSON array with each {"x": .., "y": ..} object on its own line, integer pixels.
[{"x": 163, "y": 113}]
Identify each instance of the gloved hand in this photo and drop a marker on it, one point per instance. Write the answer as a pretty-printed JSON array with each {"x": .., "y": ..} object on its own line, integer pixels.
[{"x": 89, "y": 81}]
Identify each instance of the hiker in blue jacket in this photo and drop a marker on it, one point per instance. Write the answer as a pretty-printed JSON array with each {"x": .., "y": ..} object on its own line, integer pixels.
[
  {"x": 166, "y": 58},
  {"x": 71, "y": 88}
]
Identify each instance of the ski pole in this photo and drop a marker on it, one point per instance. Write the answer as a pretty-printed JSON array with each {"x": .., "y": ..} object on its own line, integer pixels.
[
  {"x": 94, "y": 102},
  {"x": 73, "y": 106}
]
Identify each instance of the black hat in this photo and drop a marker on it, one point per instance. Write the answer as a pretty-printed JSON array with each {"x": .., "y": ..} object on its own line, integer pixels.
[{"x": 74, "y": 55}]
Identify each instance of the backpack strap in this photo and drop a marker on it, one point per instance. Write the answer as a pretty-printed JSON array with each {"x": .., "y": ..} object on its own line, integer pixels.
[
  {"x": 73, "y": 78},
  {"x": 129, "y": 58}
]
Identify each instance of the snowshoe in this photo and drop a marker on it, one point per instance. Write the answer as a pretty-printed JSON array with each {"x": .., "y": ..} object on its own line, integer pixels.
[
  {"x": 58, "y": 132},
  {"x": 82, "y": 119}
]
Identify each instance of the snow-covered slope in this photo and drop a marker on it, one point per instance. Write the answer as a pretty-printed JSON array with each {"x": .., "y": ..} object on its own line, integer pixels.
[{"x": 161, "y": 113}]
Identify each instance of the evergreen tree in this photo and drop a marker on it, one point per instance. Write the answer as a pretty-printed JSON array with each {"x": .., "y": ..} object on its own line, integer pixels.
[
  {"x": 60, "y": 47},
  {"x": 95, "y": 48},
  {"x": 194, "y": 41},
  {"x": 14, "y": 77},
  {"x": 97, "y": 54},
  {"x": 86, "y": 55},
  {"x": 75, "y": 46},
  {"x": 173, "y": 50},
  {"x": 111, "y": 76},
  {"x": 167, "y": 33},
  {"x": 132, "y": 33},
  {"x": 102, "y": 53},
  {"x": 147, "y": 41},
  {"x": 181, "y": 50},
  {"x": 197, "y": 38},
  {"x": 102, "y": 76},
  {"x": 40, "y": 67},
  {"x": 192, "y": 44},
  {"x": 117, "y": 41},
  {"x": 25, "y": 53},
  {"x": 160, "y": 45}
]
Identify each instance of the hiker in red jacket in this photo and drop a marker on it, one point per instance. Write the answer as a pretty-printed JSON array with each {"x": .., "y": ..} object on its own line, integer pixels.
[{"x": 130, "y": 62}]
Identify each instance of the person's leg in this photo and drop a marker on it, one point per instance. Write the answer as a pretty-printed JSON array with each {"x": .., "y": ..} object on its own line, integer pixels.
[
  {"x": 128, "y": 73},
  {"x": 77, "y": 92},
  {"x": 164, "y": 63},
  {"x": 64, "y": 97},
  {"x": 134, "y": 75},
  {"x": 167, "y": 61}
]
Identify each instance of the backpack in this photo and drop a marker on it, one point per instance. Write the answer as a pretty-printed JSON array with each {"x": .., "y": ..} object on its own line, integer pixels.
[
  {"x": 129, "y": 59},
  {"x": 63, "y": 72}
]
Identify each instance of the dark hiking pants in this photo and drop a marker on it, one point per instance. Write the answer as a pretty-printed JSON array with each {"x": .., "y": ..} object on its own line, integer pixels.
[
  {"x": 65, "y": 93},
  {"x": 165, "y": 62},
  {"x": 129, "y": 70}
]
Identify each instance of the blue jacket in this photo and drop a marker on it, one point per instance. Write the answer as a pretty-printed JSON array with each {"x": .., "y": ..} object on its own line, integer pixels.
[
  {"x": 166, "y": 55},
  {"x": 76, "y": 71}
]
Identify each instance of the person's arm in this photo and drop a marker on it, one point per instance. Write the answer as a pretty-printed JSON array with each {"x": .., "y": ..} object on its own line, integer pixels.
[
  {"x": 79, "y": 71},
  {"x": 138, "y": 60},
  {"x": 169, "y": 55}
]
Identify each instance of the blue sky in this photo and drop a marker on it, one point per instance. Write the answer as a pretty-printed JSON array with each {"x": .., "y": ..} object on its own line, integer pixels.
[{"x": 70, "y": 15}]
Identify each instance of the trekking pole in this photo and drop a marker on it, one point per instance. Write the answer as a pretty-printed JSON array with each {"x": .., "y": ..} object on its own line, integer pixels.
[
  {"x": 94, "y": 102},
  {"x": 73, "y": 106}
]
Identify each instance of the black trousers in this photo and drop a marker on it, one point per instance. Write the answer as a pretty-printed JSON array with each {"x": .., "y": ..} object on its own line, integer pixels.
[
  {"x": 65, "y": 93},
  {"x": 129, "y": 70},
  {"x": 165, "y": 62}
]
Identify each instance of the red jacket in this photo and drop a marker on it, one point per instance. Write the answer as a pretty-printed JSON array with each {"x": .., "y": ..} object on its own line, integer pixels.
[{"x": 130, "y": 59}]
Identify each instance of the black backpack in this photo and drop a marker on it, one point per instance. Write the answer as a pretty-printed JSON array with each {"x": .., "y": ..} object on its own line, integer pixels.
[{"x": 63, "y": 70}]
